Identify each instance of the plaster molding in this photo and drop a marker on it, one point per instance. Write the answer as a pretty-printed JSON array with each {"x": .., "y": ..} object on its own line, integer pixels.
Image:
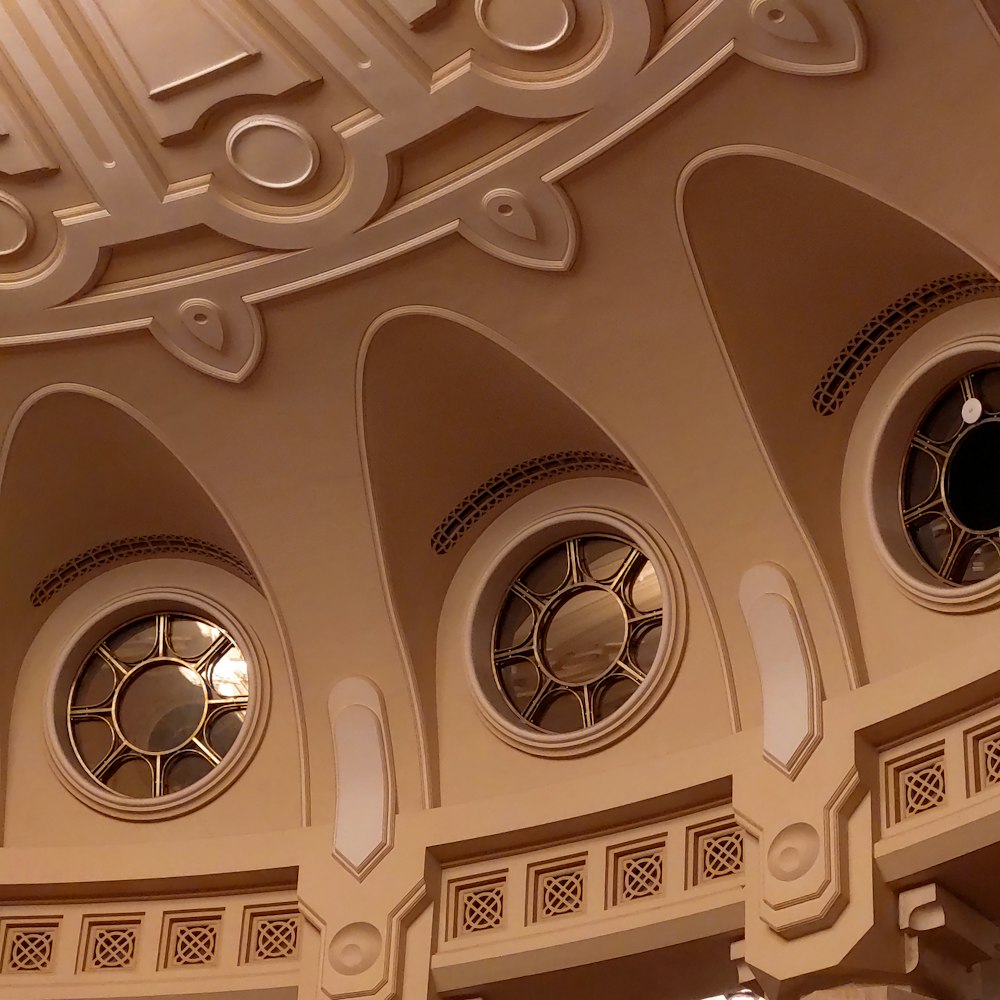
[
  {"x": 220, "y": 338},
  {"x": 855, "y": 667},
  {"x": 365, "y": 777},
  {"x": 22, "y": 150},
  {"x": 224, "y": 55},
  {"x": 746, "y": 975},
  {"x": 805, "y": 869},
  {"x": 786, "y": 662},
  {"x": 344, "y": 974},
  {"x": 946, "y": 942},
  {"x": 272, "y": 151},
  {"x": 416, "y": 11},
  {"x": 339, "y": 211},
  {"x": 17, "y": 227},
  {"x": 527, "y": 25}
]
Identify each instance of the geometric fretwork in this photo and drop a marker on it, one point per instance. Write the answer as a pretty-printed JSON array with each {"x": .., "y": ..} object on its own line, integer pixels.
[
  {"x": 642, "y": 875},
  {"x": 113, "y": 948},
  {"x": 636, "y": 871},
  {"x": 895, "y": 319},
  {"x": 562, "y": 892},
  {"x": 923, "y": 787},
  {"x": 477, "y": 904},
  {"x": 273, "y": 936},
  {"x": 192, "y": 940},
  {"x": 558, "y": 888},
  {"x": 29, "y": 949},
  {"x": 714, "y": 851},
  {"x": 482, "y": 909},
  {"x": 991, "y": 761}
]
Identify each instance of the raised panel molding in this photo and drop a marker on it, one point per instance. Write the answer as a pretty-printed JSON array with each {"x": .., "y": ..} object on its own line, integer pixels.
[
  {"x": 365, "y": 783},
  {"x": 317, "y": 184},
  {"x": 786, "y": 663},
  {"x": 181, "y": 57}
]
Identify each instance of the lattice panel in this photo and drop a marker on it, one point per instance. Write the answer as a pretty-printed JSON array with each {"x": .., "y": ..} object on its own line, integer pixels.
[
  {"x": 922, "y": 787},
  {"x": 716, "y": 852},
  {"x": 111, "y": 945},
  {"x": 637, "y": 873},
  {"x": 481, "y": 908},
  {"x": 519, "y": 477},
  {"x": 983, "y": 756},
  {"x": 272, "y": 936},
  {"x": 883, "y": 328},
  {"x": 29, "y": 947},
  {"x": 990, "y": 750},
  {"x": 191, "y": 940},
  {"x": 914, "y": 782},
  {"x": 558, "y": 890}
]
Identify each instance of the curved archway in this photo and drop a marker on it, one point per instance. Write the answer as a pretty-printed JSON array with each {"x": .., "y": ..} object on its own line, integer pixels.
[
  {"x": 88, "y": 485},
  {"x": 454, "y": 425},
  {"x": 793, "y": 263}
]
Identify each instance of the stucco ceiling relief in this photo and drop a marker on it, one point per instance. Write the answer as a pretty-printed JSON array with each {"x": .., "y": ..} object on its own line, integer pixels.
[
  {"x": 365, "y": 787},
  {"x": 16, "y": 225},
  {"x": 222, "y": 338},
  {"x": 153, "y": 145},
  {"x": 812, "y": 855},
  {"x": 789, "y": 675},
  {"x": 527, "y": 25}
]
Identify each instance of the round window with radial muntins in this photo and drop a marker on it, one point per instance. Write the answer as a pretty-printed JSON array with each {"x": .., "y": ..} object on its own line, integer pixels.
[
  {"x": 577, "y": 633},
  {"x": 949, "y": 493},
  {"x": 158, "y": 704}
]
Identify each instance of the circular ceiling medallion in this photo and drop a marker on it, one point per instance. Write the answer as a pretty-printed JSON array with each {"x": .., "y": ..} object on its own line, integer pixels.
[
  {"x": 526, "y": 25},
  {"x": 793, "y": 852},
  {"x": 273, "y": 152},
  {"x": 355, "y": 947},
  {"x": 16, "y": 226}
]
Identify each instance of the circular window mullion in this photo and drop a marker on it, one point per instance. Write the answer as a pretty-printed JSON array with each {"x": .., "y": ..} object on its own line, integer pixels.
[
  {"x": 582, "y": 630},
  {"x": 161, "y": 702},
  {"x": 949, "y": 524},
  {"x": 546, "y": 687},
  {"x": 588, "y": 703},
  {"x": 121, "y": 669},
  {"x": 118, "y": 753},
  {"x": 625, "y": 575},
  {"x": 578, "y": 572},
  {"x": 213, "y": 654},
  {"x": 522, "y": 590},
  {"x": 201, "y": 747},
  {"x": 625, "y": 667},
  {"x": 160, "y": 643}
]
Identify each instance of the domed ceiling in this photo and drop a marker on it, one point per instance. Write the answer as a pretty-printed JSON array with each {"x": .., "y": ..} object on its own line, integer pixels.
[{"x": 170, "y": 166}]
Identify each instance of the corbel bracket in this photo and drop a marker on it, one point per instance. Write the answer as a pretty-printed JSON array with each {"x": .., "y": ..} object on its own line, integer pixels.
[{"x": 947, "y": 944}]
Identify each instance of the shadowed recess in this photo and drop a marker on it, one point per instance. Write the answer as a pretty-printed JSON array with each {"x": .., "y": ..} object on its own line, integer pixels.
[{"x": 794, "y": 264}]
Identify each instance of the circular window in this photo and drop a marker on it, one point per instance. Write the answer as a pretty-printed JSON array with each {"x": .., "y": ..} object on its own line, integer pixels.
[
  {"x": 950, "y": 482},
  {"x": 157, "y": 704},
  {"x": 578, "y": 632}
]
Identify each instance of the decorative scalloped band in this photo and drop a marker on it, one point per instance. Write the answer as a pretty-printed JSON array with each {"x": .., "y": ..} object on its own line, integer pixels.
[
  {"x": 519, "y": 477},
  {"x": 895, "y": 319},
  {"x": 140, "y": 546}
]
